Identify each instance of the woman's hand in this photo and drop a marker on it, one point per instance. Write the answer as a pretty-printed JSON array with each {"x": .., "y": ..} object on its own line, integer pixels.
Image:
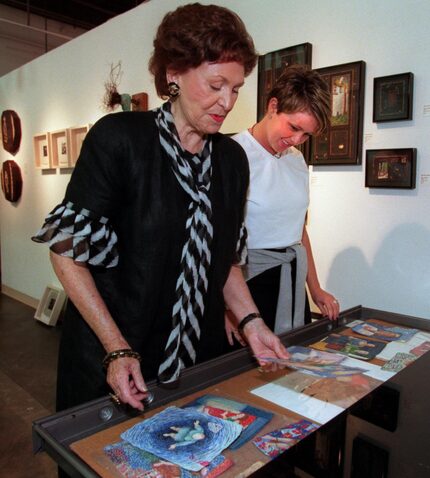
[
  {"x": 231, "y": 329},
  {"x": 327, "y": 303},
  {"x": 123, "y": 374},
  {"x": 125, "y": 379},
  {"x": 264, "y": 344}
]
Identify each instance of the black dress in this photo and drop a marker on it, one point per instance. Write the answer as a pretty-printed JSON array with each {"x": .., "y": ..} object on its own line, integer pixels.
[{"x": 124, "y": 175}]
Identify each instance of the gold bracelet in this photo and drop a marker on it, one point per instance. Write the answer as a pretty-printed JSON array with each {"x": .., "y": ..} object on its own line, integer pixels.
[{"x": 116, "y": 354}]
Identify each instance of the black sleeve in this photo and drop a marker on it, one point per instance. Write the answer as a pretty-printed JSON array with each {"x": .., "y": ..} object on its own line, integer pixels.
[{"x": 98, "y": 179}]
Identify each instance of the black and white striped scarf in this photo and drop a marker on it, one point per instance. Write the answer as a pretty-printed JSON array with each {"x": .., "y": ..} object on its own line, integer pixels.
[{"x": 192, "y": 282}]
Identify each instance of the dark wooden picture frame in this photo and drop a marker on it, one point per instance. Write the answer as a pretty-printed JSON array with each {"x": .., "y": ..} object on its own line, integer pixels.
[
  {"x": 393, "y": 97},
  {"x": 270, "y": 68},
  {"x": 391, "y": 168},
  {"x": 272, "y": 65},
  {"x": 342, "y": 142}
]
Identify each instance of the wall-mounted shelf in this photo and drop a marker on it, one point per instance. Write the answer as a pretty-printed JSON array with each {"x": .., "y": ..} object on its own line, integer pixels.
[
  {"x": 76, "y": 137},
  {"x": 42, "y": 151},
  {"x": 60, "y": 149}
]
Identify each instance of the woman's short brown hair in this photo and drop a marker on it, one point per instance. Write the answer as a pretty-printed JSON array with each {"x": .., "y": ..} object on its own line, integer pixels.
[
  {"x": 300, "y": 88},
  {"x": 195, "y": 33}
]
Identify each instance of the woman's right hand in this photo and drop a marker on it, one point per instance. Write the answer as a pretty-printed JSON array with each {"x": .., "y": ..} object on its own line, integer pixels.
[
  {"x": 126, "y": 380},
  {"x": 123, "y": 374}
]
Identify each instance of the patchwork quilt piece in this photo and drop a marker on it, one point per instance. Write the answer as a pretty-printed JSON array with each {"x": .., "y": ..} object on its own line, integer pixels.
[
  {"x": 399, "y": 362},
  {"x": 185, "y": 437},
  {"x": 131, "y": 462},
  {"x": 274, "y": 443}
]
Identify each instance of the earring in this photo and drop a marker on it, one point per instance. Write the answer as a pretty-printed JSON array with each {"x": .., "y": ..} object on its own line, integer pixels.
[{"x": 174, "y": 89}]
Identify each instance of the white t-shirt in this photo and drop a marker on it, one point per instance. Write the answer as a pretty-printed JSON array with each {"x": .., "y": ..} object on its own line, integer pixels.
[{"x": 278, "y": 195}]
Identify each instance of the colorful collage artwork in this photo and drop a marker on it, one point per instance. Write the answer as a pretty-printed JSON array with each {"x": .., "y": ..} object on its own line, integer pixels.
[
  {"x": 251, "y": 419},
  {"x": 277, "y": 441},
  {"x": 360, "y": 348},
  {"x": 185, "y": 437},
  {"x": 187, "y": 442},
  {"x": 375, "y": 330},
  {"x": 316, "y": 362},
  {"x": 131, "y": 462},
  {"x": 421, "y": 349},
  {"x": 399, "y": 362},
  {"x": 333, "y": 384},
  {"x": 323, "y": 381},
  {"x": 417, "y": 345}
]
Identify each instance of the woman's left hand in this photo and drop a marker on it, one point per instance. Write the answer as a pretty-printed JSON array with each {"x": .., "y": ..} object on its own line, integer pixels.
[
  {"x": 327, "y": 304},
  {"x": 265, "y": 344},
  {"x": 231, "y": 329}
]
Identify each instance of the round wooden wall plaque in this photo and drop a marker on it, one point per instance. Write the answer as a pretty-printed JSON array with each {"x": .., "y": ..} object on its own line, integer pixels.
[
  {"x": 11, "y": 180},
  {"x": 11, "y": 131}
]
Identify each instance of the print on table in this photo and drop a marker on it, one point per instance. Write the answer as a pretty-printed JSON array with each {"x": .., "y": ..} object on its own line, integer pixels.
[
  {"x": 261, "y": 417},
  {"x": 399, "y": 362},
  {"x": 277, "y": 441},
  {"x": 186, "y": 437},
  {"x": 377, "y": 331},
  {"x": 360, "y": 348},
  {"x": 315, "y": 362}
]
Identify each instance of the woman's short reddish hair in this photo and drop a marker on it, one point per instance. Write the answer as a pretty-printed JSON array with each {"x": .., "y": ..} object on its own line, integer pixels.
[{"x": 195, "y": 33}]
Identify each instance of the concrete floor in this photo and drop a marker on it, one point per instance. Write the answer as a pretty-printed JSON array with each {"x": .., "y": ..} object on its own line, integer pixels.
[{"x": 28, "y": 361}]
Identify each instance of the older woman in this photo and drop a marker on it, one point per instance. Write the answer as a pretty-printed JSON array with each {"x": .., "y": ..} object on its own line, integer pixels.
[
  {"x": 280, "y": 259},
  {"x": 149, "y": 236}
]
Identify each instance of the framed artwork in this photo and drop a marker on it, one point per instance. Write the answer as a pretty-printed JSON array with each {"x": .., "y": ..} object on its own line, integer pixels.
[
  {"x": 42, "y": 151},
  {"x": 50, "y": 305},
  {"x": 60, "y": 148},
  {"x": 391, "y": 168},
  {"x": 342, "y": 142},
  {"x": 76, "y": 138},
  {"x": 270, "y": 68},
  {"x": 392, "y": 97}
]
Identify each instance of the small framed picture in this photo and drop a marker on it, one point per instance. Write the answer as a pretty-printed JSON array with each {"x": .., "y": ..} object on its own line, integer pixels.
[
  {"x": 342, "y": 142},
  {"x": 77, "y": 136},
  {"x": 60, "y": 148},
  {"x": 50, "y": 305},
  {"x": 393, "y": 97},
  {"x": 391, "y": 168},
  {"x": 272, "y": 65},
  {"x": 42, "y": 151},
  {"x": 270, "y": 68}
]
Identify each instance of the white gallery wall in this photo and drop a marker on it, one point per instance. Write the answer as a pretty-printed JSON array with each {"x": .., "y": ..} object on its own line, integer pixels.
[{"x": 371, "y": 246}]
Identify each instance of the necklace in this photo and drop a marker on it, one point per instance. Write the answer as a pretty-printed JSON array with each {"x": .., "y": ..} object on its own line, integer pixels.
[{"x": 276, "y": 154}]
